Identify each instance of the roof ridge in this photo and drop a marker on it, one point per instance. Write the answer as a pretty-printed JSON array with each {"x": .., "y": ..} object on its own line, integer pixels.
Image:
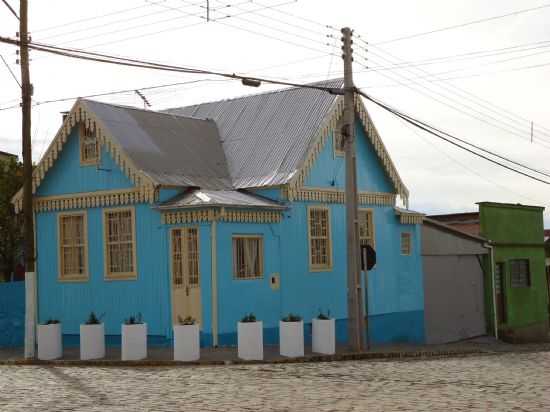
[
  {"x": 285, "y": 89},
  {"x": 163, "y": 113}
]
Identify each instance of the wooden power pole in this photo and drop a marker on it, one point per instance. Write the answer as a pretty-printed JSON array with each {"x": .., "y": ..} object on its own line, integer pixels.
[
  {"x": 30, "y": 275},
  {"x": 356, "y": 320}
]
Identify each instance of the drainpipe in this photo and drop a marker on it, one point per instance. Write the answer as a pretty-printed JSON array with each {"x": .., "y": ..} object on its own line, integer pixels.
[
  {"x": 214, "y": 254},
  {"x": 494, "y": 291}
]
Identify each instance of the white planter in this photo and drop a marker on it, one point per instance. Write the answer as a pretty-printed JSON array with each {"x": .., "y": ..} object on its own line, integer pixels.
[
  {"x": 49, "y": 341},
  {"x": 134, "y": 342},
  {"x": 250, "y": 340},
  {"x": 186, "y": 342},
  {"x": 324, "y": 338},
  {"x": 92, "y": 341},
  {"x": 291, "y": 338}
]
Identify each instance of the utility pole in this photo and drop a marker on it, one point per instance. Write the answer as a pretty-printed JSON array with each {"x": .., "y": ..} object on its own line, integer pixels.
[
  {"x": 30, "y": 275},
  {"x": 356, "y": 320}
]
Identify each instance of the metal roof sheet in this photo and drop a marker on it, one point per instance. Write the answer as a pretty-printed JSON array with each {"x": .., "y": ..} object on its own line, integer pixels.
[
  {"x": 266, "y": 136},
  {"x": 171, "y": 149},
  {"x": 200, "y": 198}
]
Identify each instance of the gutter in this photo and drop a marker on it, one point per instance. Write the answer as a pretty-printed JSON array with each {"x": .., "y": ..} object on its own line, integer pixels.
[{"x": 494, "y": 291}]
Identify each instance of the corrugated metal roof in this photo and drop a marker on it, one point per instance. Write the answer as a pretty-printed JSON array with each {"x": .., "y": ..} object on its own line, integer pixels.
[
  {"x": 266, "y": 136},
  {"x": 171, "y": 149},
  {"x": 197, "y": 198}
]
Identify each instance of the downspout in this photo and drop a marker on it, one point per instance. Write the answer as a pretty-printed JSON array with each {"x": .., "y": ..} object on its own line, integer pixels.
[
  {"x": 214, "y": 255},
  {"x": 494, "y": 291}
]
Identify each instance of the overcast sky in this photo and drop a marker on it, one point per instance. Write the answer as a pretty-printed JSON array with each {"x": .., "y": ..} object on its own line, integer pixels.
[{"x": 487, "y": 98}]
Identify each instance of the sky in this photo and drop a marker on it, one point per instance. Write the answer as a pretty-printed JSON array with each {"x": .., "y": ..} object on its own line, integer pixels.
[{"x": 483, "y": 82}]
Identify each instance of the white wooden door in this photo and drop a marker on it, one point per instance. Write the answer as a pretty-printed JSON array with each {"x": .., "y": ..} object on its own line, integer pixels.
[{"x": 186, "y": 291}]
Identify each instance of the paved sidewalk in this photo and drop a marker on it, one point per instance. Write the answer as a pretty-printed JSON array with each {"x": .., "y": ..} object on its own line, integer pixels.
[{"x": 163, "y": 356}]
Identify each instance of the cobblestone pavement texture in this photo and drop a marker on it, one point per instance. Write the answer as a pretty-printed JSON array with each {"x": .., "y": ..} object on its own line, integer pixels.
[{"x": 505, "y": 382}]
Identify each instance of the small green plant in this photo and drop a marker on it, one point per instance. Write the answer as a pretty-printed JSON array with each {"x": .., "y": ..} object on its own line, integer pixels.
[
  {"x": 322, "y": 316},
  {"x": 52, "y": 322},
  {"x": 249, "y": 318},
  {"x": 291, "y": 317},
  {"x": 93, "y": 319},
  {"x": 134, "y": 320},
  {"x": 188, "y": 320}
]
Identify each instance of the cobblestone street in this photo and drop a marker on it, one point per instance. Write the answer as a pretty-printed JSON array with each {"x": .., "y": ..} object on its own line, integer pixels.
[{"x": 504, "y": 382}]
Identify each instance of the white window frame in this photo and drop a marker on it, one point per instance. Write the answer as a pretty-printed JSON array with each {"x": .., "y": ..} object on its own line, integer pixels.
[
  {"x": 132, "y": 275},
  {"x": 371, "y": 228},
  {"x": 237, "y": 276},
  {"x": 62, "y": 277},
  {"x": 408, "y": 236},
  {"x": 337, "y": 133},
  {"x": 319, "y": 267},
  {"x": 83, "y": 135}
]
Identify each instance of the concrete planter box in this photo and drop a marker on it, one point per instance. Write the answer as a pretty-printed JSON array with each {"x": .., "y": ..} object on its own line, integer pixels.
[
  {"x": 291, "y": 338},
  {"x": 50, "y": 345},
  {"x": 186, "y": 342},
  {"x": 250, "y": 340},
  {"x": 134, "y": 342},
  {"x": 92, "y": 341},
  {"x": 324, "y": 338}
]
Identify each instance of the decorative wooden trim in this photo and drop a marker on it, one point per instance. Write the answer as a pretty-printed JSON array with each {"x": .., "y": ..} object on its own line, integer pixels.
[
  {"x": 318, "y": 143},
  {"x": 320, "y": 268},
  {"x": 73, "y": 278},
  {"x": 411, "y": 219},
  {"x": 127, "y": 275},
  {"x": 88, "y": 200},
  {"x": 81, "y": 114},
  {"x": 212, "y": 214},
  {"x": 327, "y": 195},
  {"x": 381, "y": 150},
  {"x": 328, "y": 127}
]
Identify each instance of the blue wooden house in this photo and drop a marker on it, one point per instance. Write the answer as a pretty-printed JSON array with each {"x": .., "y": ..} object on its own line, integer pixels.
[{"x": 218, "y": 210}]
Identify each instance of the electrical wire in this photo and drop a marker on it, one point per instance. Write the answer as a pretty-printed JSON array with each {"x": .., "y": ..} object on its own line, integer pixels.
[
  {"x": 429, "y": 92},
  {"x": 11, "y": 9},
  {"x": 441, "y": 135},
  {"x": 456, "y": 26},
  {"x": 486, "y": 104},
  {"x": 11, "y": 71}
]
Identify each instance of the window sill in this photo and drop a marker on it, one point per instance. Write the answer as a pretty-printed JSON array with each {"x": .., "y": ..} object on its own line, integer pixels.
[
  {"x": 110, "y": 278},
  {"x": 73, "y": 279}
]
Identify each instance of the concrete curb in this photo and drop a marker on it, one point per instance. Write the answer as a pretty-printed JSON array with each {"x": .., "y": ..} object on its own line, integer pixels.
[{"x": 306, "y": 359}]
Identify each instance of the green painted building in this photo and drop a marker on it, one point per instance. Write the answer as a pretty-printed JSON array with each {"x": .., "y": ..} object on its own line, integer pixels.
[{"x": 516, "y": 233}]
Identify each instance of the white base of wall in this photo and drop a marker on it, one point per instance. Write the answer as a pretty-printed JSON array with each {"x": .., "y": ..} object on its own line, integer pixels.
[
  {"x": 50, "y": 345},
  {"x": 291, "y": 339},
  {"x": 134, "y": 342},
  {"x": 324, "y": 338},
  {"x": 186, "y": 343},
  {"x": 92, "y": 341},
  {"x": 250, "y": 340}
]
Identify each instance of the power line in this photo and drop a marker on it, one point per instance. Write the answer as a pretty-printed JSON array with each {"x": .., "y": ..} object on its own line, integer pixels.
[
  {"x": 10, "y": 70},
  {"x": 124, "y": 61},
  {"x": 11, "y": 9},
  {"x": 428, "y": 92},
  {"x": 439, "y": 134},
  {"x": 456, "y": 26},
  {"x": 473, "y": 97}
]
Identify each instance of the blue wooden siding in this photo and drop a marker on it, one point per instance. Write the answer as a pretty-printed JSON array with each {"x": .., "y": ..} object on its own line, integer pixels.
[
  {"x": 395, "y": 285},
  {"x": 330, "y": 171},
  {"x": 12, "y": 314},
  {"x": 71, "y": 302},
  {"x": 67, "y": 176}
]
